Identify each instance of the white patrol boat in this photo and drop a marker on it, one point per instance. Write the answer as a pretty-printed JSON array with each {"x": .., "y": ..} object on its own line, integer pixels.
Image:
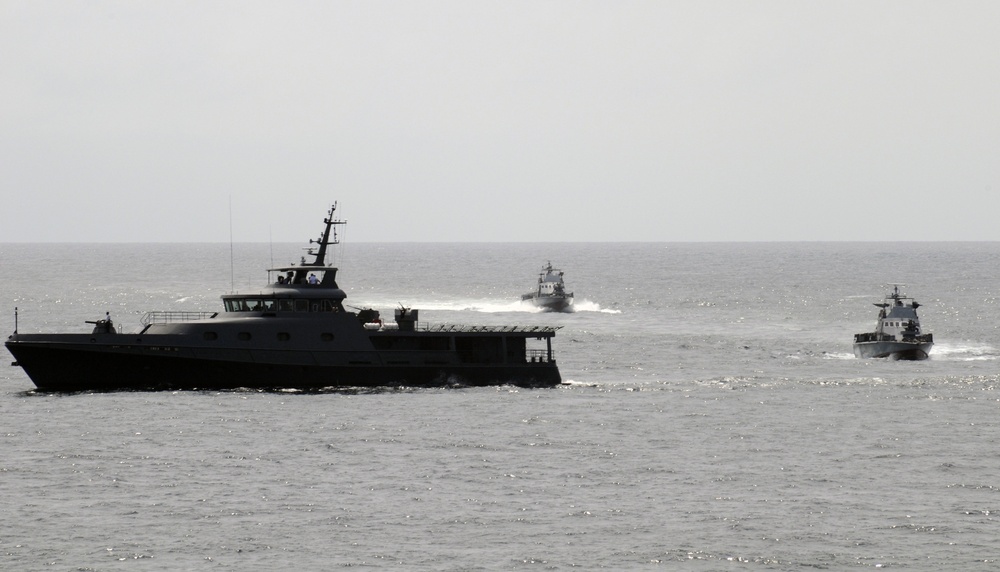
[
  {"x": 897, "y": 334},
  {"x": 550, "y": 293}
]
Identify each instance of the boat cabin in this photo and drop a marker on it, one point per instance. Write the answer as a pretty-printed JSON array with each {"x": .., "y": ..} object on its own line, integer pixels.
[
  {"x": 550, "y": 281},
  {"x": 897, "y": 320},
  {"x": 294, "y": 289}
]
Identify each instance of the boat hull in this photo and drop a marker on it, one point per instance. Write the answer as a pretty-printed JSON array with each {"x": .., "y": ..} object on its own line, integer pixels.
[
  {"x": 550, "y": 303},
  {"x": 72, "y": 367},
  {"x": 893, "y": 350}
]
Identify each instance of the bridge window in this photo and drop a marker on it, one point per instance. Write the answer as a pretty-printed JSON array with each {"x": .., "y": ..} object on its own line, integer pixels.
[
  {"x": 281, "y": 305},
  {"x": 250, "y": 305}
]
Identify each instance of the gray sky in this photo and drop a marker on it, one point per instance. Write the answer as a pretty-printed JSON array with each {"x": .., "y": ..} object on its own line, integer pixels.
[{"x": 499, "y": 121}]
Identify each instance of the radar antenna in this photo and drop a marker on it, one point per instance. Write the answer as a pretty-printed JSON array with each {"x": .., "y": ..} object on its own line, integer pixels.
[{"x": 327, "y": 237}]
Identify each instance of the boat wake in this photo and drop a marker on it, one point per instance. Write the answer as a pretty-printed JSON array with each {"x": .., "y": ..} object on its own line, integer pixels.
[
  {"x": 485, "y": 306},
  {"x": 588, "y": 306},
  {"x": 964, "y": 352},
  {"x": 837, "y": 355}
]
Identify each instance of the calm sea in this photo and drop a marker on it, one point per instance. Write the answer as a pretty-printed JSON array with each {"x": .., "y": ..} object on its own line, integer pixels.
[{"x": 714, "y": 419}]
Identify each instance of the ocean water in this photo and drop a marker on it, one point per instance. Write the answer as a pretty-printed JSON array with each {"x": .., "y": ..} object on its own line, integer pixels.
[{"x": 714, "y": 418}]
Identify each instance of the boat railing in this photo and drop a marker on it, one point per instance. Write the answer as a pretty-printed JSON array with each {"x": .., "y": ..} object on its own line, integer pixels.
[
  {"x": 171, "y": 317},
  {"x": 538, "y": 356},
  {"x": 425, "y": 327},
  {"x": 530, "y": 356}
]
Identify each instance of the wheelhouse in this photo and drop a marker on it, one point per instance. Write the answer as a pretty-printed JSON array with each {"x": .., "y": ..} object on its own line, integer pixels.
[
  {"x": 296, "y": 289},
  {"x": 275, "y": 304}
]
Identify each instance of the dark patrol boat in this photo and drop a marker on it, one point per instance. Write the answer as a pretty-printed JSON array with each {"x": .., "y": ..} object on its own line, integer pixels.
[
  {"x": 550, "y": 292},
  {"x": 293, "y": 334},
  {"x": 897, "y": 333}
]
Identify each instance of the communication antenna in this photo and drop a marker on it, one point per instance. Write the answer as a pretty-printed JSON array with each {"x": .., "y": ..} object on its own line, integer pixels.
[{"x": 232, "y": 266}]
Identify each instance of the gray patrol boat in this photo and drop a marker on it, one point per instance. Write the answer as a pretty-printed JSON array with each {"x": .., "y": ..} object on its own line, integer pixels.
[
  {"x": 550, "y": 293},
  {"x": 897, "y": 334},
  {"x": 294, "y": 333}
]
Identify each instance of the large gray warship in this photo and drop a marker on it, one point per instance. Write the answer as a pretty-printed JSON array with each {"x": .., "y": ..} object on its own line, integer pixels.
[
  {"x": 897, "y": 333},
  {"x": 294, "y": 333}
]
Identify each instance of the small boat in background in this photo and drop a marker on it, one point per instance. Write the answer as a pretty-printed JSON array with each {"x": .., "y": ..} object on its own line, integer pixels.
[
  {"x": 550, "y": 294},
  {"x": 897, "y": 334}
]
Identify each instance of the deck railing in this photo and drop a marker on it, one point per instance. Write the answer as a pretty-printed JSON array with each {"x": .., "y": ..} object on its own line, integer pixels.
[
  {"x": 174, "y": 317},
  {"x": 425, "y": 327},
  {"x": 537, "y": 356}
]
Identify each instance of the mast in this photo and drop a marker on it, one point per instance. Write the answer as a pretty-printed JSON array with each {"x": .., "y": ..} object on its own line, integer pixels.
[
  {"x": 327, "y": 237},
  {"x": 324, "y": 240}
]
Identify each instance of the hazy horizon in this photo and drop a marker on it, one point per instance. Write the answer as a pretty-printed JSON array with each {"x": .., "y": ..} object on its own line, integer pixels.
[{"x": 449, "y": 121}]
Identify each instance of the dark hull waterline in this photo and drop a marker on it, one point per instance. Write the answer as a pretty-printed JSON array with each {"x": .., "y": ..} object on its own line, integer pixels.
[
  {"x": 892, "y": 350},
  {"x": 62, "y": 369}
]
